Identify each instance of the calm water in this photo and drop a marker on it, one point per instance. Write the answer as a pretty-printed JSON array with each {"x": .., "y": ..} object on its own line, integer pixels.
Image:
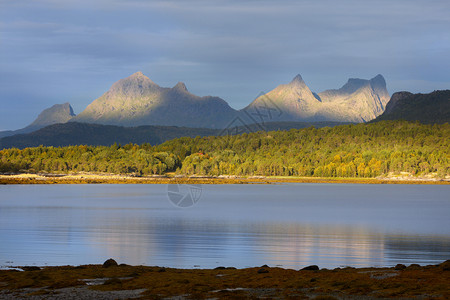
[{"x": 290, "y": 225}]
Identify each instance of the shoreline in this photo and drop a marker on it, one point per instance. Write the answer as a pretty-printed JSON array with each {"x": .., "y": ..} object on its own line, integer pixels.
[
  {"x": 91, "y": 178},
  {"x": 111, "y": 280}
]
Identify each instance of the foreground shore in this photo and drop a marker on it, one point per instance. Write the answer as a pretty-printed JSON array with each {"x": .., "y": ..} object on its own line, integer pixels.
[
  {"x": 112, "y": 281},
  {"x": 169, "y": 179}
]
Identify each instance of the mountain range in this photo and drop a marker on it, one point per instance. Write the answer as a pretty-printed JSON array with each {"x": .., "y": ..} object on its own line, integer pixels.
[
  {"x": 137, "y": 102},
  {"x": 358, "y": 100}
]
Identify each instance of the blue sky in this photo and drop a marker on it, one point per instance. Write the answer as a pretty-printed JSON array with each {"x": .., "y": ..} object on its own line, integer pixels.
[{"x": 54, "y": 51}]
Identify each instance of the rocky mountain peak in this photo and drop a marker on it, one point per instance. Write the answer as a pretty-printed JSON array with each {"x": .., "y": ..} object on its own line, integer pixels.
[
  {"x": 354, "y": 84},
  {"x": 180, "y": 86},
  {"x": 138, "y": 74},
  {"x": 298, "y": 87},
  {"x": 378, "y": 81},
  {"x": 137, "y": 77},
  {"x": 137, "y": 100},
  {"x": 134, "y": 85},
  {"x": 378, "y": 84},
  {"x": 292, "y": 101},
  {"x": 58, "y": 113},
  {"x": 298, "y": 78},
  {"x": 297, "y": 81}
]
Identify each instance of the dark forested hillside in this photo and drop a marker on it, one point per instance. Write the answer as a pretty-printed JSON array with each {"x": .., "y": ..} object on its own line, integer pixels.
[
  {"x": 73, "y": 133},
  {"x": 363, "y": 150},
  {"x": 425, "y": 108}
]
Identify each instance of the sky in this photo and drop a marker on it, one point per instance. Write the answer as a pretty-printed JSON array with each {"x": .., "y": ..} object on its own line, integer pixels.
[{"x": 56, "y": 51}]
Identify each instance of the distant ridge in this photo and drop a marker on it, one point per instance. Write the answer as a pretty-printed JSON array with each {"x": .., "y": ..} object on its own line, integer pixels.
[
  {"x": 58, "y": 113},
  {"x": 137, "y": 101},
  {"x": 74, "y": 133}
]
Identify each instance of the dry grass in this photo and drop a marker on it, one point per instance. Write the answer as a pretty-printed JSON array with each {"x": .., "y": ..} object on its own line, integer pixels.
[
  {"x": 423, "y": 282},
  {"x": 122, "y": 179}
]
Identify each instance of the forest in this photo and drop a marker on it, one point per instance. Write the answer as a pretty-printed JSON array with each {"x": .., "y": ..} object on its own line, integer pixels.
[{"x": 361, "y": 150}]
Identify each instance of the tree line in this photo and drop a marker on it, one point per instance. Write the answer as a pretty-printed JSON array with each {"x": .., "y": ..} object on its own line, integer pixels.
[{"x": 362, "y": 150}]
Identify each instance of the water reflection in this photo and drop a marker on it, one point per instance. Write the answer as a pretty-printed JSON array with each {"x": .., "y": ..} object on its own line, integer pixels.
[
  {"x": 185, "y": 243},
  {"x": 237, "y": 226}
]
